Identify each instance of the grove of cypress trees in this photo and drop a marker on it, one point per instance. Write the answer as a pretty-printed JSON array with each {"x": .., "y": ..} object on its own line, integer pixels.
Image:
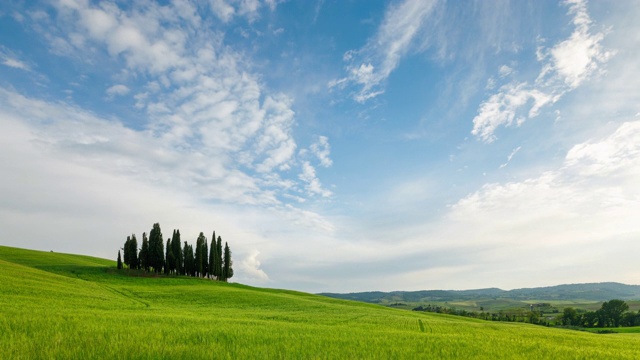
[
  {"x": 214, "y": 262},
  {"x": 227, "y": 272}
]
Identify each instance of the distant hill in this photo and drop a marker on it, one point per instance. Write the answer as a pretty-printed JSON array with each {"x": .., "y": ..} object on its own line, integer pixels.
[{"x": 592, "y": 291}]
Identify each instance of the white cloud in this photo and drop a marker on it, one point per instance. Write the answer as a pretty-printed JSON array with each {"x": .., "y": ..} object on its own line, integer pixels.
[
  {"x": 372, "y": 64},
  {"x": 14, "y": 63},
  {"x": 118, "y": 89},
  {"x": 505, "y": 71},
  {"x": 321, "y": 149},
  {"x": 313, "y": 185},
  {"x": 275, "y": 139},
  {"x": 618, "y": 153},
  {"x": 565, "y": 66},
  {"x": 227, "y": 9},
  {"x": 251, "y": 266},
  {"x": 11, "y": 60},
  {"x": 98, "y": 22},
  {"x": 504, "y": 109},
  {"x": 575, "y": 59},
  {"x": 222, "y": 9}
]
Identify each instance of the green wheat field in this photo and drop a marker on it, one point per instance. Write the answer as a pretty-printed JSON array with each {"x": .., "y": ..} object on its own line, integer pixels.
[{"x": 62, "y": 306}]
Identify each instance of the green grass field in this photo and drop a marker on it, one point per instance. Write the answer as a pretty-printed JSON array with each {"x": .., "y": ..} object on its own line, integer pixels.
[{"x": 60, "y": 306}]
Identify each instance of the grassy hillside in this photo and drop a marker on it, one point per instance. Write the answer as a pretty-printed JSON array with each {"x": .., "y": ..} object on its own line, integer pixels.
[{"x": 69, "y": 306}]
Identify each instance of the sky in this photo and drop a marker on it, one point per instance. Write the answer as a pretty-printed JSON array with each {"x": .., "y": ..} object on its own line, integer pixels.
[{"x": 337, "y": 146}]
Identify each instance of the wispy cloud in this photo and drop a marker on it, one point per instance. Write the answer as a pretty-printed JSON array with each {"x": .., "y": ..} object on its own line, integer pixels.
[
  {"x": 371, "y": 65},
  {"x": 513, "y": 153},
  {"x": 503, "y": 109},
  {"x": 17, "y": 64},
  {"x": 617, "y": 153},
  {"x": 11, "y": 60},
  {"x": 564, "y": 67}
]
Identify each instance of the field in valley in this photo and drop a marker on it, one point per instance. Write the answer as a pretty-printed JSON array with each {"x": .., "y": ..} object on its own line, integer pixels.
[{"x": 70, "y": 306}]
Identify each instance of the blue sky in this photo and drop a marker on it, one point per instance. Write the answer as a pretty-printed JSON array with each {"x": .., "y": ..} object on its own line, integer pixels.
[{"x": 336, "y": 145}]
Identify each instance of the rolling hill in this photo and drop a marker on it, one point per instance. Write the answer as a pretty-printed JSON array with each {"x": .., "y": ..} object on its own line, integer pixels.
[
  {"x": 571, "y": 292},
  {"x": 67, "y": 306}
]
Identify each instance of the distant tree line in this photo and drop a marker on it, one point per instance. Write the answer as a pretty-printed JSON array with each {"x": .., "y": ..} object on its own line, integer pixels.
[
  {"x": 613, "y": 313},
  {"x": 516, "y": 315},
  {"x": 212, "y": 262}
]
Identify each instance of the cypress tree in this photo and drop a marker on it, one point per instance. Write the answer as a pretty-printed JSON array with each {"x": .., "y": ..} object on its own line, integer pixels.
[
  {"x": 177, "y": 252},
  {"x": 133, "y": 252},
  {"x": 170, "y": 245},
  {"x": 212, "y": 256},
  {"x": 169, "y": 260},
  {"x": 156, "y": 248},
  {"x": 190, "y": 261},
  {"x": 205, "y": 259},
  {"x": 126, "y": 251},
  {"x": 144, "y": 253},
  {"x": 160, "y": 251},
  {"x": 227, "y": 272},
  {"x": 184, "y": 261},
  {"x": 198, "y": 255},
  {"x": 119, "y": 261},
  {"x": 219, "y": 259}
]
